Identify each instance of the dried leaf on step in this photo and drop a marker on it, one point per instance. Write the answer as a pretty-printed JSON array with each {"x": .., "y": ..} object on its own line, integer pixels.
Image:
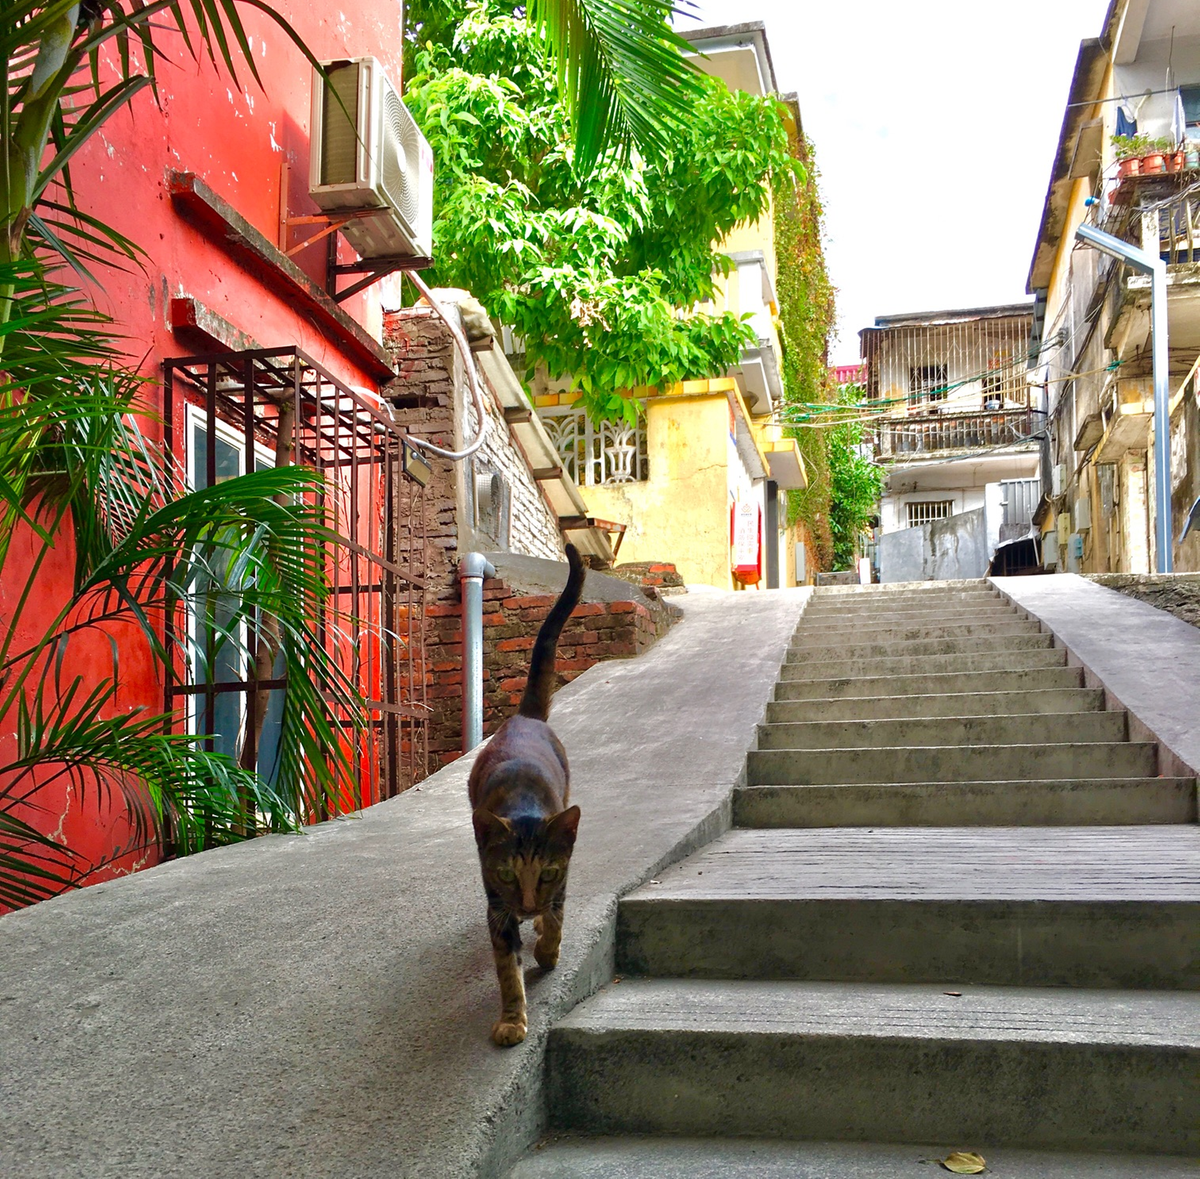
[{"x": 964, "y": 1162}]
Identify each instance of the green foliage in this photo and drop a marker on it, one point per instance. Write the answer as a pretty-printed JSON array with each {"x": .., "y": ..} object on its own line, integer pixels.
[
  {"x": 856, "y": 481},
  {"x": 806, "y": 317},
  {"x": 597, "y": 270},
  {"x": 74, "y": 466},
  {"x": 620, "y": 72},
  {"x": 76, "y": 473}
]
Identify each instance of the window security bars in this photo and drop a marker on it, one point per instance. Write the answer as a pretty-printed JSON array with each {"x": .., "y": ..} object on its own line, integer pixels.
[
  {"x": 965, "y": 364},
  {"x": 373, "y": 626},
  {"x": 596, "y": 454},
  {"x": 926, "y": 382},
  {"x": 928, "y": 511}
]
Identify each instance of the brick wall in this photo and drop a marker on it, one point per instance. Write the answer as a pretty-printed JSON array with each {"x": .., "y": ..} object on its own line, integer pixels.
[
  {"x": 429, "y": 398},
  {"x": 511, "y": 618}
]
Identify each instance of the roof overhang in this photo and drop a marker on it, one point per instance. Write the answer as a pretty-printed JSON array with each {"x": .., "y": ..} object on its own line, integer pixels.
[
  {"x": 760, "y": 377},
  {"x": 541, "y": 455},
  {"x": 786, "y": 464},
  {"x": 1090, "y": 66},
  {"x": 721, "y": 44}
]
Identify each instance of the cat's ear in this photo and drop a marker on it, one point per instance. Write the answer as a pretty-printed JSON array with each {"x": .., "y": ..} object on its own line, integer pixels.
[
  {"x": 489, "y": 827},
  {"x": 562, "y": 828}
]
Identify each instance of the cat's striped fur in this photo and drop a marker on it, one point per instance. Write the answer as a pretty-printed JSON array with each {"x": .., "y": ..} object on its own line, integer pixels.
[{"x": 524, "y": 826}]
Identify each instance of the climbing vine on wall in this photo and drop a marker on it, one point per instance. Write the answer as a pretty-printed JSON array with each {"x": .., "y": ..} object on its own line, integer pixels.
[{"x": 806, "y": 315}]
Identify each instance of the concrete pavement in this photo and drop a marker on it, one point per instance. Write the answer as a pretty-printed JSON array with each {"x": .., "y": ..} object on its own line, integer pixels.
[{"x": 319, "y": 1005}]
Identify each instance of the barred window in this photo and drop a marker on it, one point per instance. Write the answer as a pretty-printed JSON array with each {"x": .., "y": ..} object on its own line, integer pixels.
[
  {"x": 929, "y": 510},
  {"x": 926, "y": 382}
]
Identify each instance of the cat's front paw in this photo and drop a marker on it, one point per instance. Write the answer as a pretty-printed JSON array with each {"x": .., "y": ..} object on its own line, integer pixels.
[
  {"x": 506, "y": 1033},
  {"x": 545, "y": 957}
]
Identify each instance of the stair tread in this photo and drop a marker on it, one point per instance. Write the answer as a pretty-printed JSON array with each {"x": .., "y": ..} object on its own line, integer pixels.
[
  {"x": 643, "y": 1157},
  {"x": 922, "y": 1011},
  {"x": 1159, "y": 863}
]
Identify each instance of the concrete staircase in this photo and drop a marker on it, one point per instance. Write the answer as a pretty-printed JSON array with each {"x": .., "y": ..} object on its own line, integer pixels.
[{"x": 958, "y": 910}]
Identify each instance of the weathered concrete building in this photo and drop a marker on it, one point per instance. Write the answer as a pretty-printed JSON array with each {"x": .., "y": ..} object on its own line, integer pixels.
[
  {"x": 958, "y": 435},
  {"x": 1128, "y": 163}
]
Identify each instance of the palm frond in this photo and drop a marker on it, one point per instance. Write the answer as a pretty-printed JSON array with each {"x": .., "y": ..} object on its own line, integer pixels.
[{"x": 621, "y": 71}]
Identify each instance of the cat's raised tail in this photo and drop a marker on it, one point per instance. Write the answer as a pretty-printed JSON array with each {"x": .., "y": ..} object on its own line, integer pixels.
[{"x": 539, "y": 687}]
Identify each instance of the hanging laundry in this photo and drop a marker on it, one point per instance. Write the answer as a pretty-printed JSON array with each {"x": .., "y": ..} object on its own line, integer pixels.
[{"x": 1126, "y": 120}]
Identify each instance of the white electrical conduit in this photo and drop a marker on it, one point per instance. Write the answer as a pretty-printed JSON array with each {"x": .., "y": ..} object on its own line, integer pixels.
[{"x": 472, "y": 377}]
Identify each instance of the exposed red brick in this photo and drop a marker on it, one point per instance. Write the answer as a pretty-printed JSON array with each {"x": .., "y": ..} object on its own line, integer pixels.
[
  {"x": 623, "y": 607},
  {"x": 525, "y": 644}
]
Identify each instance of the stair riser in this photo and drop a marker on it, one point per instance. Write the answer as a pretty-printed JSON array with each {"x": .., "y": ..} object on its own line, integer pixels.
[
  {"x": 969, "y": 804},
  {"x": 864, "y": 1088},
  {"x": 816, "y": 635},
  {"x": 911, "y": 648},
  {"x": 1045, "y": 703},
  {"x": 904, "y": 621},
  {"x": 977, "y": 763},
  {"x": 876, "y": 686},
  {"x": 1127, "y": 944},
  {"x": 990, "y": 730},
  {"x": 925, "y": 665},
  {"x": 863, "y": 646}
]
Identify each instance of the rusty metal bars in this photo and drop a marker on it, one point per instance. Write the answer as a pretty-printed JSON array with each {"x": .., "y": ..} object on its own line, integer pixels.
[{"x": 373, "y": 626}]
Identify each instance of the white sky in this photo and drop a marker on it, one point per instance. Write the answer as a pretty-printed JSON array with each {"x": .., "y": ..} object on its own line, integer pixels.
[{"x": 935, "y": 124}]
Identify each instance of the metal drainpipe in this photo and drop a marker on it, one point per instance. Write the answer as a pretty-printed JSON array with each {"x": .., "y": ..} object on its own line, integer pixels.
[
  {"x": 472, "y": 569},
  {"x": 1156, "y": 268}
]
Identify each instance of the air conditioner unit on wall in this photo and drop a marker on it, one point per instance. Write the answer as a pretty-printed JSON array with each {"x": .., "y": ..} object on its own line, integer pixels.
[{"x": 371, "y": 156}]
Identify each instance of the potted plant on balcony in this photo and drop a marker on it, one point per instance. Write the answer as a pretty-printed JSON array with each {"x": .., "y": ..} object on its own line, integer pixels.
[
  {"x": 1129, "y": 150},
  {"x": 1154, "y": 162}
]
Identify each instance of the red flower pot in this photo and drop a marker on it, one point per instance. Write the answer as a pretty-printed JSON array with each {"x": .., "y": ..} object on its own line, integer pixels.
[
  {"x": 1130, "y": 166},
  {"x": 1153, "y": 164}
]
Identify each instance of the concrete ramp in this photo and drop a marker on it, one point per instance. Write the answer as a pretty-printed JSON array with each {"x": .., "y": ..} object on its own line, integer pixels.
[{"x": 320, "y": 1005}]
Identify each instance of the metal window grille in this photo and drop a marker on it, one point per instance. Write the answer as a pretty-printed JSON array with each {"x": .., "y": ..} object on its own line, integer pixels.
[
  {"x": 926, "y": 382},
  {"x": 926, "y": 511},
  {"x": 375, "y": 563},
  {"x": 596, "y": 454}
]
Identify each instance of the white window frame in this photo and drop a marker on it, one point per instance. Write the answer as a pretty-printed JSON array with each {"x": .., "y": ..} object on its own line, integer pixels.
[{"x": 195, "y": 419}]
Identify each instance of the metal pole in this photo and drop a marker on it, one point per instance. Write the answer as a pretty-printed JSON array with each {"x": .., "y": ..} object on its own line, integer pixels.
[
  {"x": 1156, "y": 268},
  {"x": 1163, "y": 530},
  {"x": 472, "y": 569}
]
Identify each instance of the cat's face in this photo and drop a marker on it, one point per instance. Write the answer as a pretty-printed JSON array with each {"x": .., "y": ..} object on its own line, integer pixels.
[{"x": 525, "y": 861}]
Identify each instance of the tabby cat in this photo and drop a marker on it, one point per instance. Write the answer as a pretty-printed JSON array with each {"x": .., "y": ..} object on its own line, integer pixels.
[{"x": 524, "y": 828}]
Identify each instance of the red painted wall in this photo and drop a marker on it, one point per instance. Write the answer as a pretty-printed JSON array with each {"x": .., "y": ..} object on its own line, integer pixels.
[{"x": 235, "y": 137}]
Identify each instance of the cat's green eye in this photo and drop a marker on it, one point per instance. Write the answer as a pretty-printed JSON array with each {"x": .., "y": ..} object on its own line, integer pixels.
[
  {"x": 506, "y": 874},
  {"x": 550, "y": 873}
]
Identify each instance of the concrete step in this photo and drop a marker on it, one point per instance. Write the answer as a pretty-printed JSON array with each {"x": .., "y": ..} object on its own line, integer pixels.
[
  {"x": 827, "y": 651},
  {"x": 815, "y": 635},
  {"x": 1019, "y": 906},
  {"x": 937, "y": 684},
  {"x": 1069, "y": 802},
  {"x": 992, "y": 609},
  {"x": 908, "y": 601},
  {"x": 639, "y": 1157},
  {"x": 926, "y": 665},
  {"x": 1013, "y": 729},
  {"x": 951, "y": 763},
  {"x": 1046, "y": 702},
  {"x": 1036, "y": 1068}
]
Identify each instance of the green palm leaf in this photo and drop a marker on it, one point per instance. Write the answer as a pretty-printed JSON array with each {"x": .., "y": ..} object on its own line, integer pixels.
[{"x": 621, "y": 71}]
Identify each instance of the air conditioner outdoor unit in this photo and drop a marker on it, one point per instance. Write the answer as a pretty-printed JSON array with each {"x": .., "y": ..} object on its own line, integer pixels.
[{"x": 375, "y": 159}]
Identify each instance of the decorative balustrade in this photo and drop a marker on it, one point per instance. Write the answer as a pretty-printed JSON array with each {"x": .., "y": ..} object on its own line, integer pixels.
[
  {"x": 597, "y": 453},
  {"x": 915, "y": 435}
]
